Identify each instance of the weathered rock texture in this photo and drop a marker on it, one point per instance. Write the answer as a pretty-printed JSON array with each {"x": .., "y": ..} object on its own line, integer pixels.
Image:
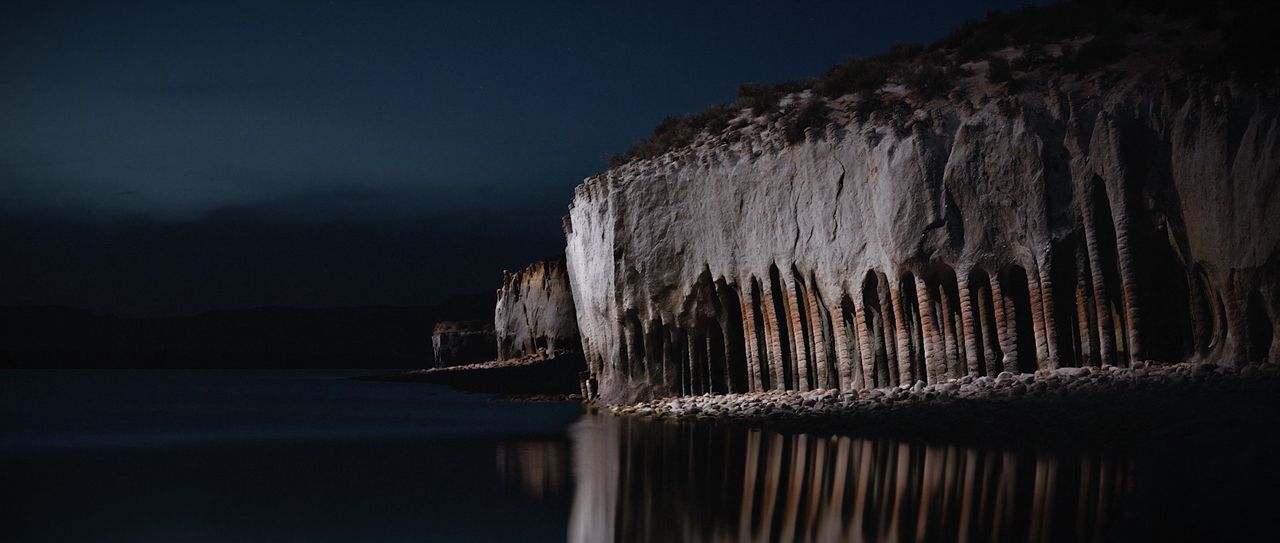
[
  {"x": 1126, "y": 214},
  {"x": 535, "y": 311},
  {"x": 455, "y": 343}
]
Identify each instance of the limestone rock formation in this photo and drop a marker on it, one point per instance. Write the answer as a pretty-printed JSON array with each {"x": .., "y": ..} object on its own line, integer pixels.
[
  {"x": 535, "y": 311},
  {"x": 1126, "y": 213},
  {"x": 455, "y": 343}
]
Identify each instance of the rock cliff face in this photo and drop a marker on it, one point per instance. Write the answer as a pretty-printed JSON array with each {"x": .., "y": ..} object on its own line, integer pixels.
[
  {"x": 1130, "y": 213},
  {"x": 455, "y": 343},
  {"x": 535, "y": 311}
]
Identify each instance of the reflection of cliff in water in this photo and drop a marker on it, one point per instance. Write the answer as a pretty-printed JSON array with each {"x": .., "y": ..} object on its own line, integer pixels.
[
  {"x": 646, "y": 481},
  {"x": 538, "y": 469}
]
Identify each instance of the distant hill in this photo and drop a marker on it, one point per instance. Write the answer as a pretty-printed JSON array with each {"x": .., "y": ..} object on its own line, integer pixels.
[{"x": 268, "y": 337}]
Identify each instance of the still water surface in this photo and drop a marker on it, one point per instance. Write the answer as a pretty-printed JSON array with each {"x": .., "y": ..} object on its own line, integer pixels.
[{"x": 317, "y": 456}]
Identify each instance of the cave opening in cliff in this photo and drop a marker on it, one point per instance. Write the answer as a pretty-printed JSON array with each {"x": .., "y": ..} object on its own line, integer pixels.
[
  {"x": 761, "y": 337},
  {"x": 716, "y": 380},
  {"x": 911, "y": 321},
  {"x": 986, "y": 338},
  {"x": 783, "y": 325},
  {"x": 849, "y": 321},
  {"x": 1261, "y": 331},
  {"x": 670, "y": 357},
  {"x": 635, "y": 344},
  {"x": 878, "y": 373},
  {"x": 1066, "y": 319},
  {"x": 654, "y": 347},
  {"x": 735, "y": 337},
  {"x": 1109, "y": 263},
  {"x": 1164, "y": 297},
  {"x": 1014, "y": 286},
  {"x": 623, "y": 362},
  {"x": 698, "y": 358},
  {"x": 683, "y": 361}
]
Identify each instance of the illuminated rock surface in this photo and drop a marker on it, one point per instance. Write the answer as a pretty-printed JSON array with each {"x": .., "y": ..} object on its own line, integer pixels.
[
  {"x": 535, "y": 311},
  {"x": 1122, "y": 214}
]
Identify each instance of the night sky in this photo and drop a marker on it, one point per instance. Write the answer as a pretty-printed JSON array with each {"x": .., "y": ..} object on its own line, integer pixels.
[{"x": 168, "y": 157}]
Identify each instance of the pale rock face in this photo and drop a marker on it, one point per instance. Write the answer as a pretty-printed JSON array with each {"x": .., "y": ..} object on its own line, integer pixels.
[
  {"x": 456, "y": 343},
  {"x": 535, "y": 312},
  {"x": 1101, "y": 221}
]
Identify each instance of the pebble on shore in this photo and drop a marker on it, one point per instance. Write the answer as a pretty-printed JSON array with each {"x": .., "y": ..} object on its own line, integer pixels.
[{"x": 1003, "y": 388}]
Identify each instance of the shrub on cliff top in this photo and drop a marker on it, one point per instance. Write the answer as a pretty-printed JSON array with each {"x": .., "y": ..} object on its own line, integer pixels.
[
  {"x": 931, "y": 72},
  {"x": 675, "y": 132},
  {"x": 814, "y": 113},
  {"x": 929, "y": 80},
  {"x": 856, "y": 75},
  {"x": 998, "y": 70},
  {"x": 763, "y": 99}
]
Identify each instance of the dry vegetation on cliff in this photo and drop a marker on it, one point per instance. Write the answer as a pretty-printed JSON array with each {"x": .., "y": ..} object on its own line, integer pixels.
[
  {"x": 1001, "y": 55},
  {"x": 1076, "y": 185}
]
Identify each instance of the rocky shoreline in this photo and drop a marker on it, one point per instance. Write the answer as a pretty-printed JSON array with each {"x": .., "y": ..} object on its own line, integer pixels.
[
  {"x": 1140, "y": 403},
  {"x": 533, "y": 377}
]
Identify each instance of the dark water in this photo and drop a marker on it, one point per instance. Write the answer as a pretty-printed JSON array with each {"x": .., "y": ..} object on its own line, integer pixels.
[{"x": 316, "y": 456}]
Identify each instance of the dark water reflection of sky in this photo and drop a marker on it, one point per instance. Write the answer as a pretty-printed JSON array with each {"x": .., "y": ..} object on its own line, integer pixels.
[{"x": 316, "y": 456}]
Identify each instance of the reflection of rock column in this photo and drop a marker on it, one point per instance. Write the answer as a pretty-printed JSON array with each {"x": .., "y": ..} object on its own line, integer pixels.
[
  {"x": 1042, "y": 499},
  {"x": 772, "y": 479},
  {"x": 749, "y": 484},
  {"x": 795, "y": 486},
  {"x": 831, "y": 526},
  {"x": 597, "y": 450}
]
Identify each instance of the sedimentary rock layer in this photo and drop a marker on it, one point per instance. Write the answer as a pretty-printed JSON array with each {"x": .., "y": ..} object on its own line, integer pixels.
[
  {"x": 1095, "y": 220},
  {"x": 535, "y": 311},
  {"x": 455, "y": 343}
]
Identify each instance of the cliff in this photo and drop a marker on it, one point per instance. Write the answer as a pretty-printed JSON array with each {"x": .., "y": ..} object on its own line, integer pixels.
[
  {"x": 1053, "y": 214},
  {"x": 535, "y": 311},
  {"x": 455, "y": 343}
]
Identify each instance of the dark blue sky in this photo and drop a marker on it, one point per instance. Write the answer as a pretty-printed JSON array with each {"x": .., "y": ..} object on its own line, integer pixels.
[{"x": 167, "y": 157}]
